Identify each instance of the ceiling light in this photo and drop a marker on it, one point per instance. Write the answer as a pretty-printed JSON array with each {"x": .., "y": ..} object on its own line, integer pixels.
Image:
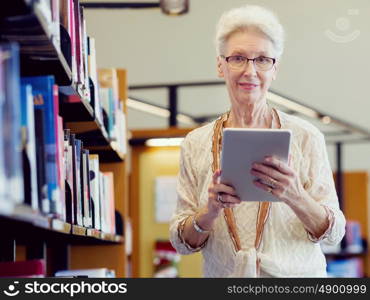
[
  {"x": 164, "y": 142},
  {"x": 326, "y": 119},
  {"x": 174, "y": 7}
]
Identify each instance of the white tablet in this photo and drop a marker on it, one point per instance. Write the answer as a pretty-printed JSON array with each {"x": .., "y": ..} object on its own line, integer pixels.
[{"x": 241, "y": 148}]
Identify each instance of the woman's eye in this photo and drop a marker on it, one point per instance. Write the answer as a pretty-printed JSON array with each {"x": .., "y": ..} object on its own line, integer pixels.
[
  {"x": 239, "y": 58},
  {"x": 262, "y": 60}
]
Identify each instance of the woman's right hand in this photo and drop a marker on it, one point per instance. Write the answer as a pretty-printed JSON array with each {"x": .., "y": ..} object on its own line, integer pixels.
[
  {"x": 208, "y": 214},
  {"x": 220, "y": 195}
]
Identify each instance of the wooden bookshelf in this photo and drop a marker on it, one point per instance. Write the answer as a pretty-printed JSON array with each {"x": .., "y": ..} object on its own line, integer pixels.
[
  {"x": 78, "y": 230},
  {"x": 32, "y": 63},
  {"x": 27, "y": 225},
  {"x": 114, "y": 256},
  {"x": 161, "y": 161},
  {"x": 356, "y": 207},
  {"x": 25, "y": 230}
]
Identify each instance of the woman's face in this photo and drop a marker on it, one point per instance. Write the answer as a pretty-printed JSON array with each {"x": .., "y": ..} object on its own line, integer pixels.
[{"x": 247, "y": 85}]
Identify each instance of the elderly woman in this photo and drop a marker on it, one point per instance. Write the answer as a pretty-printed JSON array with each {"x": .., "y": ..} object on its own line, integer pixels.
[{"x": 256, "y": 239}]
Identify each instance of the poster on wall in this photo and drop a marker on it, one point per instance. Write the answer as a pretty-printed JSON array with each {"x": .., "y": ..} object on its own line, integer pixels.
[{"x": 165, "y": 198}]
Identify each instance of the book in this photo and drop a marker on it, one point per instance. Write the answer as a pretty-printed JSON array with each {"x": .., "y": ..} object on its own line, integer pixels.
[
  {"x": 349, "y": 268},
  {"x": 11, "y": 192},
  {"x": 165, "y": 260},
  {"x": 95, "y": 189},
  {"x": 353, "y": 239},
  {"x": 76, "y": 157},
  {"x": 55, "y": 22},
  {"x": 31, "y": 195},
  {"x": 110, "y": 102},
  {"x": 73, "y": 6},
  {"x": 42, "y": 190},
  {"x": 93, "y": 75},
  {"x": 61, "y": 167},
  {"x": 43, "y": 89},
  {"x": 107, "y": 204},
  {"x": 78, "y": 41},
  {"x": 84, "y": 50},
  {"x": 69, "y": 183},
  {"x": 28, "y": 268},
  {"x": 6, "y": 206},
  {"x": 85, "y": 188},
  {"x": 105, "y": 96},
  {"x": 58, "y": 130}
]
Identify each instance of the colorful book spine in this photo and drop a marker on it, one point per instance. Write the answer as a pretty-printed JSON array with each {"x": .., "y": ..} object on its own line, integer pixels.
[
  {"x": 79, "y": 195},
  {"x": 29, "y": 158},
  {"x": 10, "y": 128},
  {"x": 85, "y": 188},
  {"x": 28, "y": 268},
  {"x": 69, "y": 178},
  {"x": 95, "y": 189},
  {"x": 110, "y": 223},
  {"x": 44, "y": 99}
]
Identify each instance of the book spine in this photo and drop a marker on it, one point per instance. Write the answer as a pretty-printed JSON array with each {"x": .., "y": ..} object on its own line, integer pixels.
[
  {"x": 95, "y": 189},
  {"x": 79, "y": 195},
  {"x": 61, "y": 168},
  {"x": 11, "y": 126},
  {"x": 29, "y": 157},
  {"x": 69, "y": 175}
]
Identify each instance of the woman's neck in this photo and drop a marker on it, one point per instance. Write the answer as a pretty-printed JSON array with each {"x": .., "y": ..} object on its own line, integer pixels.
[{"x": 256, "y": 115}]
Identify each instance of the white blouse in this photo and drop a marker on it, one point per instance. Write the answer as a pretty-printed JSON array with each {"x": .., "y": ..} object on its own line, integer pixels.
[{"x": 286, "y": 250}]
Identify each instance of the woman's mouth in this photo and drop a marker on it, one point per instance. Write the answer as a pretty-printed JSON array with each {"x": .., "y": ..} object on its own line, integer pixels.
[{"x": 247, "y": 86}]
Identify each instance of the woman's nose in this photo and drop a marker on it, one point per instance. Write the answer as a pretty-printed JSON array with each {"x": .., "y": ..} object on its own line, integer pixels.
[{"x": 249, "y": 68}]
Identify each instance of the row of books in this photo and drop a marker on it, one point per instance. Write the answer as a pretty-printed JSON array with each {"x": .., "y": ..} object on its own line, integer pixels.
[
  {"x": 99, "y": 88},
  {"x": 346, "y": 267},
  {"x": 41, "y": 163},
  {"x": 89, "y": 193},
  {"x": 37, "y": 268}
]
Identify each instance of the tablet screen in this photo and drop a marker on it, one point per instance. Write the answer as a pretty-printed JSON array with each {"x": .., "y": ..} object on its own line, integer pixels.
[{"x": 241, "y": 147}]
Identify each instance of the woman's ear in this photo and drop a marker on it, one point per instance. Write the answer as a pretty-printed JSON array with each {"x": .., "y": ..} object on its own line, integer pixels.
[{"x": 220, "y": 72}]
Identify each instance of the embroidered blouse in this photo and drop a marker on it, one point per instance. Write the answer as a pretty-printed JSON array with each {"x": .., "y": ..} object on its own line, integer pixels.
[{"x": 286, "y": 248}]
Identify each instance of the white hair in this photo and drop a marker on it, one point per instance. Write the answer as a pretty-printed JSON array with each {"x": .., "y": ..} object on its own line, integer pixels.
[{"x": 246, "y": 17}]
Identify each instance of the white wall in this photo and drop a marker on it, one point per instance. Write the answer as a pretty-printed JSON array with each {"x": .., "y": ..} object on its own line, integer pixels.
[{"x": 317, "y": 70}]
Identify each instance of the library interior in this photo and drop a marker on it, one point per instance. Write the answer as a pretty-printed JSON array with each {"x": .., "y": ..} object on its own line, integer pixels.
[{"x": 96, "y": 98}]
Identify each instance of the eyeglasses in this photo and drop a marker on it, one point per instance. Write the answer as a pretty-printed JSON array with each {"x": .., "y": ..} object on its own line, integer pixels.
[{"x": 261, "y": 63}]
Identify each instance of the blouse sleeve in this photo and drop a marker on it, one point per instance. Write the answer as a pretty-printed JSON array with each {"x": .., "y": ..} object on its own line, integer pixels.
[
  {"x": 187, "y": 201},
  {"x": 320, "y": 185}
]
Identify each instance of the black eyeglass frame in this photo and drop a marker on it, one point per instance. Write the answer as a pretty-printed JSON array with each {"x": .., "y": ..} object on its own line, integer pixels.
[{"x": 252, "y": 59}]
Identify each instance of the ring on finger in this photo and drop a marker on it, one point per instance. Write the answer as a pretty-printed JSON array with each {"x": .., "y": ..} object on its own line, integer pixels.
[
  {"x": 273, "y": 183},
  {"x": 219, "y": 198}
]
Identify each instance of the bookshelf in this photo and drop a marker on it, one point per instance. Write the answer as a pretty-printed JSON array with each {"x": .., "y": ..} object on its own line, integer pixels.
[
  {"x": 36, "y": 24},
  {"x": 31, "y": 233},
  {"x": 147, "y": 164},
  {"x": 355, "y": 206}
]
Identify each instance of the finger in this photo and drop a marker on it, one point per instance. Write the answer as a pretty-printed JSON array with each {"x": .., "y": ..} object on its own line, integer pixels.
[
  {"x": 230, "y": 199},
  {"x": 259, "y": 168},
  {"x": 223, "y": 188},
  {"x": 265, "y": 179},
  {"x": 215, "y": 176},
  {"x": 264, "y": 187},
  {"x": 278, "y": 165}
]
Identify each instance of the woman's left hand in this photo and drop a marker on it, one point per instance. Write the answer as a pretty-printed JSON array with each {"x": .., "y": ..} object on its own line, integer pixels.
[{"x": 279, "y": 179}]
